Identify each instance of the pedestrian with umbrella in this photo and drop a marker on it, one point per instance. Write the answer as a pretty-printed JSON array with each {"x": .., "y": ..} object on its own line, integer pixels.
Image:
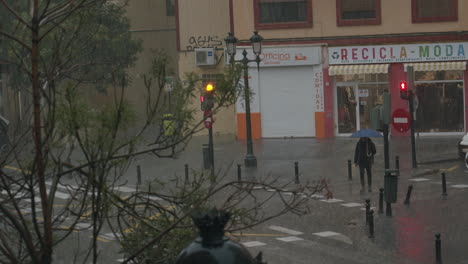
[{"x": 364, "y": 155}]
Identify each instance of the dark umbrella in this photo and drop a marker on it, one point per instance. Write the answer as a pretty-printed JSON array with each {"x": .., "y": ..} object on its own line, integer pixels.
[{"x": 366, "y": 133}]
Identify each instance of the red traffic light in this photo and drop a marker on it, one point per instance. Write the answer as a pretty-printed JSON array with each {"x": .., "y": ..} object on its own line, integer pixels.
[
  {"x": 404, "y": 92},
  {"x": 403, "y": 86}
]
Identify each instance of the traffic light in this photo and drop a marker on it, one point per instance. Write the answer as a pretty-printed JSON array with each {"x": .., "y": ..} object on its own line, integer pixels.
[
  {"x": 206, "y": 99},
  {"x": 404, "y": 92}
]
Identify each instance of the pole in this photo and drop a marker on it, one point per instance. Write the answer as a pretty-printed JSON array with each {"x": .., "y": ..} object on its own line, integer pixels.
[
  {"x": 386, "y": 148},
  {"x": 438, "y": 253},
  {"x": 138, "y": 175},
  {"x": 371, "y": 223},
  {"x": 350, "y": 171},
  {"x": 210, "y": 146},
  {"x": 411, "y": 108},
  {"x": 381, "y": 190},
  {"x": 388, "y": 209},
  {"x": 296, "y": 172},
  {"x": 444, "y": 185},
  {"x": 367, "y": 210},
  {"x": 250, "y": 160},
  {"x": 408, "y": 194},
  {"x": 186, "y": 173},
  {"x": 397, "y": 162}
]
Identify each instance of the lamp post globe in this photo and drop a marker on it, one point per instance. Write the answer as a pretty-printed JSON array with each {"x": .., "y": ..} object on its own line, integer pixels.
[
  {"x": 256, "y": 40},
  {"x": 231, "y": 43}
]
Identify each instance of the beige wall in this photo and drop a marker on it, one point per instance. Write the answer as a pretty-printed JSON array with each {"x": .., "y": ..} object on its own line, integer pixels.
[
  {"x": 157, "y": 31},
  {"x": 396, "y": 18},
  {"x": 205, "y": 23},
  {"x": 225, "y": 119}
]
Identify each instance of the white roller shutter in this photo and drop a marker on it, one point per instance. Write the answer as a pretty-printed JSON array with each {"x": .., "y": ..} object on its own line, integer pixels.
[{"x": 287, "y": 102}]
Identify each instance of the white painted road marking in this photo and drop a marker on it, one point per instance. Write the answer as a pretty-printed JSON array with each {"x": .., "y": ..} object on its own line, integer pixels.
[
  {"x": 289, "y": 239},
  {"x": 124, "y": 189},
  {"x": 351, "y": 204},
  {"x": 460, "y": 186},
  {"x": 326, "y": 234},
  {"x": 253, "y": 244},
  {"x": 333, "y": 200},
  {"x": 419, "y": 179},
  {"x": 285, "y": 230}
]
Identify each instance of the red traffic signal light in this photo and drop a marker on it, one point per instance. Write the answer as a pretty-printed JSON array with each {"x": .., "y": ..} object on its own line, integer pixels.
[{"x": 404, "y": 93}]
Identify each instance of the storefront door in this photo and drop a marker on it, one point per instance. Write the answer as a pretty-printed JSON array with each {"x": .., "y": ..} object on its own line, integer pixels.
[
  {"x": 347, "y": 107},
  {"x": 355, "y": 102}
]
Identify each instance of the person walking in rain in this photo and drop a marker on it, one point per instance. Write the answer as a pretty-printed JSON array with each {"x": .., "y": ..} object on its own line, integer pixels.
[{"x": 364, "y": 157}]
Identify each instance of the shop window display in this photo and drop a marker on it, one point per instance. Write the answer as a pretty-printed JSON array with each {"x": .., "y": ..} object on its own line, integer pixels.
[
  {"x": 439, "y": 101},
  {"x": 357, "y": 95}
]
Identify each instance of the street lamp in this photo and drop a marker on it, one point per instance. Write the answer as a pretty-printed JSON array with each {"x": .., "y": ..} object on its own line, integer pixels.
[{"x": 231, "y": 41}]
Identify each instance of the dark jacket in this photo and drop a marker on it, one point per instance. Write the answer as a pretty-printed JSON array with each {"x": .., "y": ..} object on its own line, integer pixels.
[{"x": 364, "y": 152}]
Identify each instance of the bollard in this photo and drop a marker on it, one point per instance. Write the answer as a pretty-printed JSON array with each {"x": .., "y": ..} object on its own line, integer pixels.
[
  {"x": 371, "y": 223},
  {"x": 388, "y": 210},
  {"x": 186, "y": 173},
  {"x": 138, "y": 175},
  {"x": 438, "y": 252},
  {"x": 397, "y": 162},
  {"x": 367, "y": 210},
  {"x": 408, "y": 194},
  {"x": 350, "y": 171},
  {"x": 381, "y": 190},
  {"x": 444, "y": 185},
  {"x": 239, "y": 173},
  {"x": 296, "y": 172}
]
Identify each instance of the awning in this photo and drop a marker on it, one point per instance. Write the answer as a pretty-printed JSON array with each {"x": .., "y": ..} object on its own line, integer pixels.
[
  {"x": 438, "y": 66},
  {"x": 357, "y": 69}
]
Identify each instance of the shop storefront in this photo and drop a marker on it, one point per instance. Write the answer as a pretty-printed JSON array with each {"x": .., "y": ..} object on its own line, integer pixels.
[
  {"x": 360, "y": 74},
  {"x": 287, "y": 93}
]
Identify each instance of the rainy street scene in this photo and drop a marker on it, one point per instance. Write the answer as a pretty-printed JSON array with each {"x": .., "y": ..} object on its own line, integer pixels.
[{"x": 233, "y": 131}]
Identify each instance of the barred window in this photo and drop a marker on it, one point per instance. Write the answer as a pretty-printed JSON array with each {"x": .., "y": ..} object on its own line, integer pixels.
[
  {"x": 358, "y": 12},
  {"x": 434, "y": 10},
  {"x": 290, "y": 13}
]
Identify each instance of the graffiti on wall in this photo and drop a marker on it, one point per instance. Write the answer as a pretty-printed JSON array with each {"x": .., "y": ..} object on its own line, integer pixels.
[{"x": 204, "y": 41}]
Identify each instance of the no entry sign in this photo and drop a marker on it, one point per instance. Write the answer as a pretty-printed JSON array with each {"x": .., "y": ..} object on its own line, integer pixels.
[{"x": 401, "y": 120}]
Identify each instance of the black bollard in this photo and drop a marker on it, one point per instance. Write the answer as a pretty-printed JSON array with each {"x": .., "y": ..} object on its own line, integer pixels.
[
  {"x": 388, "y": 209},
  {"x": 186, "y": 174},
  {"x": 397, "y": 162},
  {"x": 408, "y": 194},
  {"x": 367, "y": 210},
  {"x": 371, "y": 223},
  {"x": 138, "y": 175},
  {"x": 381, "y": 190},
  {"x": 438, "y": 252},
  {"x": 296, "y": 172},
  {"x": 350, "y": 171},
  {"x": 239, "y": 173},
  {"x": 444, "y": 185}
]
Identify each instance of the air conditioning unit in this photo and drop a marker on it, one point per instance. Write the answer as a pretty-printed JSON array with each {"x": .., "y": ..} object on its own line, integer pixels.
[{"x": 205, "y": 56}]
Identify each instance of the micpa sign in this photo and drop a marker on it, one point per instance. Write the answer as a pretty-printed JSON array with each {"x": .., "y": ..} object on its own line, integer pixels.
[{"x": 398, "y": 53}]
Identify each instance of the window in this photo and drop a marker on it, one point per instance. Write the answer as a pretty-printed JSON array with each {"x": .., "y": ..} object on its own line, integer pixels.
[
  {"x": 434, "y": 10},
  {"x": 440, "y": 105},
  {"x": 358, "y": 12},
  {"x": 272, "y": 14},
  {"x": 170, "y": 7}
]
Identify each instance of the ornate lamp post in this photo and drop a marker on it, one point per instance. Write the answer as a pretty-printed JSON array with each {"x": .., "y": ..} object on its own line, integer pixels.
[{"x": 231, "y": 41}]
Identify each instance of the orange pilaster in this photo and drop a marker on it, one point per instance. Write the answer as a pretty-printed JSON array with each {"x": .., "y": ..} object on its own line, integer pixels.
[
  {"x": 320, "y": 125},
  {"x": 255, "y": 125}
]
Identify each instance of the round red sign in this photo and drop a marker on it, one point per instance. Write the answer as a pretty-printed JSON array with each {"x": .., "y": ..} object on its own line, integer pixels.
[{"x": 401, "y": 120}]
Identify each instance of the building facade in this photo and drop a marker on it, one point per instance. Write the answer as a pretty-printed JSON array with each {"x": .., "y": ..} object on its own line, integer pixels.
[{"x": 325, "y": 64}]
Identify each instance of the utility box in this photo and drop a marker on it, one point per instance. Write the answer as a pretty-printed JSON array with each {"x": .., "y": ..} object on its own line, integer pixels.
[{"x": 391, "y": 185}]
